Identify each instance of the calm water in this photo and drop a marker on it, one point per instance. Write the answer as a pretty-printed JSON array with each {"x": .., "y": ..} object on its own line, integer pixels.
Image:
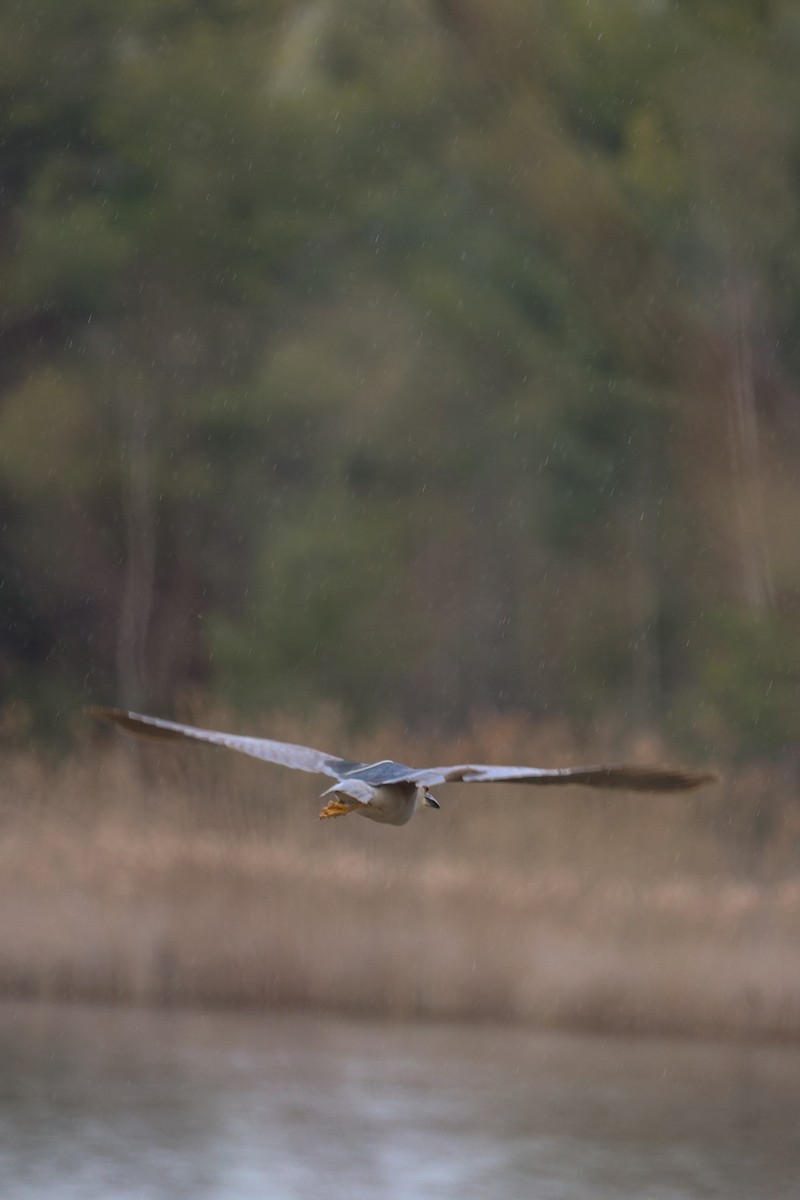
[{"x": 112, "y": 1104}]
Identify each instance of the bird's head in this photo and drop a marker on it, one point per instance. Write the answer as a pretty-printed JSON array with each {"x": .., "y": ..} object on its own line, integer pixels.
[{"x": 427, "y": 800}]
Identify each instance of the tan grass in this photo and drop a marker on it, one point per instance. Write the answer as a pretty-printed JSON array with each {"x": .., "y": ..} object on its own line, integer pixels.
[{"x": 183, "y": 875}]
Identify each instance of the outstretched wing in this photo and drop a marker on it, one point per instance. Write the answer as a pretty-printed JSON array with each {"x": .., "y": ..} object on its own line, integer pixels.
[
  {"x": 634, "y": 778},
  {"x": 302, "y": 758}
]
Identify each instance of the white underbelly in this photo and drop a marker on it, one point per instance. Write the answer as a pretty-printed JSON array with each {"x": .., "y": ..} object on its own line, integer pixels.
[{"x": 392, "y": 804}]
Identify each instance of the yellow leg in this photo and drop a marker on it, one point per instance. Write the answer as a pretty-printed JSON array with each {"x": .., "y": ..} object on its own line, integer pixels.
[{"x": 336, "y": 808}]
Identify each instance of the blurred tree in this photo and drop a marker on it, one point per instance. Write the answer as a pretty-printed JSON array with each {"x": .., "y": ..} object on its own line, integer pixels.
[{"x": 418, "y": 355}]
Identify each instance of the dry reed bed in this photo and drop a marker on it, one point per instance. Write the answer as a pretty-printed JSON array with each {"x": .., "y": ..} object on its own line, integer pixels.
[{"x": 200, "y": 878}]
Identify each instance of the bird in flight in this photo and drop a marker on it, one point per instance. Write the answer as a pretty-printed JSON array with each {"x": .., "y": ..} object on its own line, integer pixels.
[{"x": 390, "y": 792}]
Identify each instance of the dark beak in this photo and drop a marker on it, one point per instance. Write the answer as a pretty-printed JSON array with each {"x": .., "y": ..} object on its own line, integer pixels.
[{"x": 431, "y": 801}]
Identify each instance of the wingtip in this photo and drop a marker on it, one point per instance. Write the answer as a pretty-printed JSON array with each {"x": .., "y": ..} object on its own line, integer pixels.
[
  {"x": 112, "y": 716},
  {"x": 100, "y": 713},
  {"x": 131, "y": 722},
  {"x": 639, "y": 778},
  {"x": 677, "y": 779},
  {"x": 688, "y": 780}
]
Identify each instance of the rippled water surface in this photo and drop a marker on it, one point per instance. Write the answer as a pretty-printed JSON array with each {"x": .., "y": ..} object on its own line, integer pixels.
[{"x": 119, "y": 1103}]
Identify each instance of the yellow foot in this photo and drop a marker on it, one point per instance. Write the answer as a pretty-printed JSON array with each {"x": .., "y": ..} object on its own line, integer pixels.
[{"x": 336, "y": 808}]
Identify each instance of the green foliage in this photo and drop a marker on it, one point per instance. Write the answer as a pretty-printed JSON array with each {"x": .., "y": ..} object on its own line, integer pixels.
[
  {"x": 417, "y": 357},
  {"x": 314, "y": 628},
  {"x": 751, "y": 680}
]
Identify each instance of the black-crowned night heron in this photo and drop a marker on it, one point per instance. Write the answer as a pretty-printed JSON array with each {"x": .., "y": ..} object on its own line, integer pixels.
[{"x": 390, "y": 792}]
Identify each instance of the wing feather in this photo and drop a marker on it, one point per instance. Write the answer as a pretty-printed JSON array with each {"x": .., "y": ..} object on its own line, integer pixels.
[
  {"x": 285, "y": 754},
  {"x": 304, "y": 758},
  {"x": 361, "y": 792},
  {"x": 633, "y": 778}
]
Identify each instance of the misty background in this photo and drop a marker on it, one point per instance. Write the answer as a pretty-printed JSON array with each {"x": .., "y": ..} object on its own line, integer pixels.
[{"x": 424, "y": 359}]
